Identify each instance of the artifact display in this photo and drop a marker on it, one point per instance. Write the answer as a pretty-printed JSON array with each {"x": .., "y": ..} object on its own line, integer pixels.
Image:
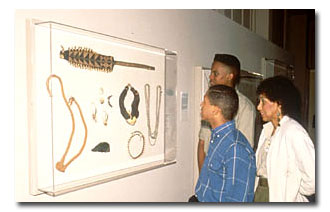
[
  {"x": 101, "y": 93},
  {"x": 94, "y": 111},
  {"x": 105, "y": 118},
  {"x": 88, "y": 59},
  {"x": 152, "y": 136},
  {"x": 109, "y": 108},
  {"x": 60, "y": 165},
  {"x": 109, "y": 100},
  {"x": 134, "y": 114},
  {"x": 141, "y": 136},
  {"x": 102, "y": 147}
]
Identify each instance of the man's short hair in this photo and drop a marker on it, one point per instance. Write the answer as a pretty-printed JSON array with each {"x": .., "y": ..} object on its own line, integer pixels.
[
  {"x": 225, "y": 98},
  {"x": 232, "y": 62}
]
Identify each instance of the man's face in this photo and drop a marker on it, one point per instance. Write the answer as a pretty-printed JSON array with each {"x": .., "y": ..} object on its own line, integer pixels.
[
  {"x": 220, "y": 74},
  {"x": 206, "y": 108}
]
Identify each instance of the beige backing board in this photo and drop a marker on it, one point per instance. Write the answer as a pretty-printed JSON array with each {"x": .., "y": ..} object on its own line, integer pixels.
[{"x": 102, "y": 143}]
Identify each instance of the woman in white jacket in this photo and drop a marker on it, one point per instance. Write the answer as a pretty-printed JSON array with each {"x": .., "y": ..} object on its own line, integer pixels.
[{"x": 285, "y": 154}]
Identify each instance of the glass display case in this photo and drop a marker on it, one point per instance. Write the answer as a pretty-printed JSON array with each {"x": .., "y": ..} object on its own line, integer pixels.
[
  {"x": 273, "y": 67},
  {"x": 99, "y": 107}
]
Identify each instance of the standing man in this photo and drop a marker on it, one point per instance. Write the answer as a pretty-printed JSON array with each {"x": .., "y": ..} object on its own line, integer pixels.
[
  {"x": 228, "y": 173},
  {"x": 226, "y": 71}
]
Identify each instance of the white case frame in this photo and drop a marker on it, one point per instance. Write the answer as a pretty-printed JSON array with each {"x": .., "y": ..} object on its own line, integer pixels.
[{"x": 49, "y": 120}]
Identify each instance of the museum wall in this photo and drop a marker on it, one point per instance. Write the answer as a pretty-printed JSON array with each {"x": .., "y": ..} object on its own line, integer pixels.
[{"x": 196, "y": 35}]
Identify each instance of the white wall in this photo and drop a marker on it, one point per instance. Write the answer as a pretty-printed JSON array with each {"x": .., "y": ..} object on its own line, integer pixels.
[
  {"x": 262, "y": 23},
  {"x": 196, "y": 35}
]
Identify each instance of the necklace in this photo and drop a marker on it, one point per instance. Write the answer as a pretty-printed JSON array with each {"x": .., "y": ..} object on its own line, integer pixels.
[
  {"x": 129, "y": 116},
  {"x": 152, "y": 136},
  {"x": 60, "y": 165},
  {"x": 267, "y": 144}
]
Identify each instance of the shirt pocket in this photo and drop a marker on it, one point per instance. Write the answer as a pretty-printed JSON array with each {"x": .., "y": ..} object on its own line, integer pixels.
[
  {"x": 216, "y": 174},
  {"x": 215, "y": 165}
]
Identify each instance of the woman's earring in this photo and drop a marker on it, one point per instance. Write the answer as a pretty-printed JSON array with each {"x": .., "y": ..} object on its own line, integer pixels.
[{"x": 278, "y": 117}]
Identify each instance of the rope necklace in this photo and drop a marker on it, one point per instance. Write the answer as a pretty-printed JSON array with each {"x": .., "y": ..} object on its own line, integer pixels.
[
  {"x": 60, "y": 166},
  {"x": 129, "y": 116},
  {"x": 152, "y": 135}
]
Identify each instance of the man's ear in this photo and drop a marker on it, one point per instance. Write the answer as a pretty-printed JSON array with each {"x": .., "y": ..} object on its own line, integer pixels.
[
  {"x": 230, "y": 77},
  {"x": 217, "y": 110}
]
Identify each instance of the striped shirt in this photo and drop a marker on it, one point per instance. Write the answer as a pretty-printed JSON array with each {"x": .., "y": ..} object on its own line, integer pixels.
[{"x": 229, "y": 169}]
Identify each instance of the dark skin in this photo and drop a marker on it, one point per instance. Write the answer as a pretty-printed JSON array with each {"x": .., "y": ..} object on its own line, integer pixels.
[
  {"x": 220, "y": 75},
  {"x": 213, "y": 115},
  {"x": 200, "y": 154}
]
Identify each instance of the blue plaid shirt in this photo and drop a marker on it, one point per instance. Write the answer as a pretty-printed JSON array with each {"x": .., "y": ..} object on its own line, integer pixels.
[{"x": 229, "y": 169}]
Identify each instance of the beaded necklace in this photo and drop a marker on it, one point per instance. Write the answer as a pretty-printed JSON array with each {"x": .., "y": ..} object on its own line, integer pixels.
[{"x": 152, "y": 136}]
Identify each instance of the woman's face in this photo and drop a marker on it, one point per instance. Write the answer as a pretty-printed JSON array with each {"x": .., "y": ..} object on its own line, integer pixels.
[{"x": 268, "y": 109}]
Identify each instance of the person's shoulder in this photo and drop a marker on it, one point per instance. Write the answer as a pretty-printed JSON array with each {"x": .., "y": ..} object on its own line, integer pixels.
[
  {"x": 291, "y": 126},
  {"x": 294, "y": 131},
  {"x": 242, "y": 97},
  {"x": 244, "y": 142},
  {"x": 287, "y": 122},
  {"x": 237, "y": 139},
  {"x": 245, "y": 101}
]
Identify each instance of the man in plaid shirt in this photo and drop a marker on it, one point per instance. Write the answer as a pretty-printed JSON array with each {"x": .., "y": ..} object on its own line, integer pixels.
[{"x": 229, "y": 169}]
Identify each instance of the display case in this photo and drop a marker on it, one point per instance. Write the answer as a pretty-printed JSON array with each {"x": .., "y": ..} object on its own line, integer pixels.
[
  {"x": 99, "y": 107},
  {"x": 274, "y": 67}
]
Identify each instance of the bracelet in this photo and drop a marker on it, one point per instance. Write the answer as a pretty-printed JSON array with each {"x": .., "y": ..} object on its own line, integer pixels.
[{"x": 135, "y": 133}]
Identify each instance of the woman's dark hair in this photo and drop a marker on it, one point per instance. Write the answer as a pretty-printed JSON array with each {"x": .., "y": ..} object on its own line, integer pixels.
[{"x": 281, "y": 90}]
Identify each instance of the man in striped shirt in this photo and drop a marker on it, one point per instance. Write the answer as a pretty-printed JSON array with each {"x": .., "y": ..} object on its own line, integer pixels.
[{"x": 229, "y": 169}]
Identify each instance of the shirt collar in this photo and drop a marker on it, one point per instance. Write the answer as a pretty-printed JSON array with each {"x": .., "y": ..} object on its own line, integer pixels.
[
  {"x": 229, "y": 125},
  {"x": 269, "y": 126},
  {"x": 283, "y": 120}
]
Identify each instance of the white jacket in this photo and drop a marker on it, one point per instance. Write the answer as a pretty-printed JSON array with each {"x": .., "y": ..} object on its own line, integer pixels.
[{"x": 290, "y": 162}]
